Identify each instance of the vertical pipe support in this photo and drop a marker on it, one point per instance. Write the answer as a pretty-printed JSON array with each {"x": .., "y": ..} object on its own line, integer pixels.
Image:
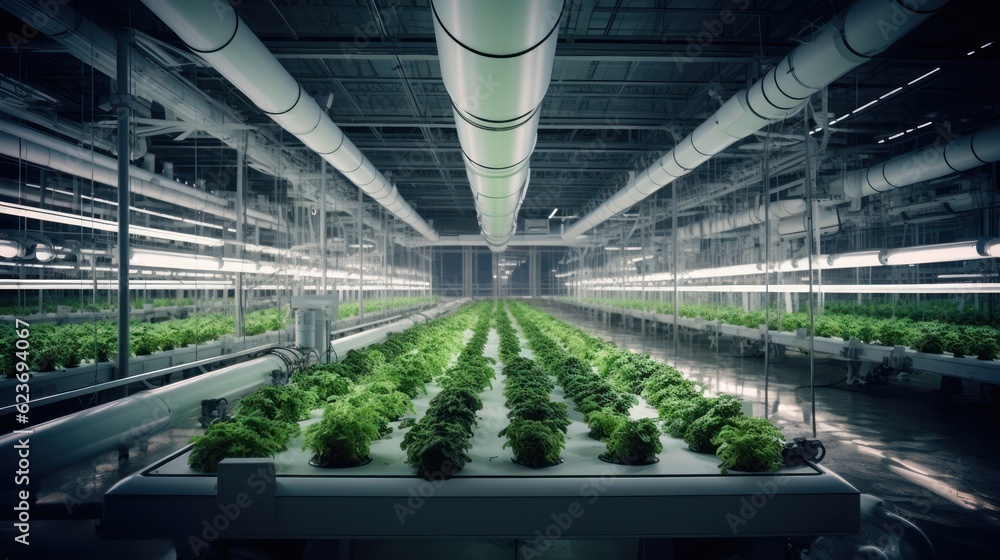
[{"x": 123, "y": 101}]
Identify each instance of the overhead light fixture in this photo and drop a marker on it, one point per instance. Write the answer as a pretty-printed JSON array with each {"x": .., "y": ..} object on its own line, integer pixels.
[
  {"x": 854, "y": 260},
  {"x": 958, "y": 276},
  {"x": 52, "y": 216},
  {"x": 865, "y": 106},
  {"x": 613, "y": 248},
  {"x": 897, "y": 90},
  {"x": 553, "y": 214},
  {"x": 928, "y": 254},
  {"x": 922, "y": 77},
  {"x": 164, "y": 259},
  {"x": 239, "y": 265}
]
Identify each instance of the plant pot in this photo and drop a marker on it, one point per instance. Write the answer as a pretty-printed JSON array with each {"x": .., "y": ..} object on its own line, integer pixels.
[
  {"x": 604, "y": 457},
  {"x": 538, "y": 466},
  {"x": 337, "y": 465}
]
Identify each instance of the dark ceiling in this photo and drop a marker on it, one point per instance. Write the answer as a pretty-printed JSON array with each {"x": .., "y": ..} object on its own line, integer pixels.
[{"x": 629, "y": 77}]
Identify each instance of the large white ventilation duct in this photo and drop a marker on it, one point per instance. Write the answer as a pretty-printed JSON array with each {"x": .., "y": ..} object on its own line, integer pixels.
[
  {"x": 936, "y": 161},
  {"x": 838, "y": 47},
  {"x": 749, "y": 217},
  {"x": 826, "y": 222},
  {"x": 496, "y": 63},
  {"x": 221, "y": 38}
]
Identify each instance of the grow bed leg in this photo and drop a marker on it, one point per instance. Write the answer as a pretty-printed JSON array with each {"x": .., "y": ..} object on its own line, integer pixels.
[
  {"x": 950, "y": 385},
  {"x": 656, "y": 549}
]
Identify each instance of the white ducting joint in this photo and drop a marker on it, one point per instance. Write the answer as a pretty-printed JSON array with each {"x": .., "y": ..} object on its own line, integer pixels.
[
  {"x": 496, "y": 63},
  {"x": 838, "y": 47},
  {"x": 222, "y": 39},
  {"x": 754, "y": 215},
  {"x": 827, "y": 222},
  {"x": 967, "y": 152}
]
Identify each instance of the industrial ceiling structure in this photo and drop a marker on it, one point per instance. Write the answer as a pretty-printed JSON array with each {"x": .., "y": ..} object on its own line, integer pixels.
[{"x": 581, "y": 124}]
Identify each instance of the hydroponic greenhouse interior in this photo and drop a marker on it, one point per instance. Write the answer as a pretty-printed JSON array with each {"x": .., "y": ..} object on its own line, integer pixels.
[{"x": 554, "y": 279}]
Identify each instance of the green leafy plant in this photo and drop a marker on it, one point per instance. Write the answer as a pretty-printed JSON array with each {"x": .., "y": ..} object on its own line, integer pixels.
[
  {"x": 436, "y": 450},
  {"x": 555, "y": 415},
  {"x": 324, "y": 384},
  {"x": 343, "y": 437},
  {"x": 259, "y": 437},
  {"x": 750, "y": 444},
  {"x": 287, "y": 404},
  {"x": 603, "y": 422},
  {"x": 534, "y": 444},
  {"x": 634, "y": 442},
  {"x": 680, "y": 410},
  {"x": 700, "y": 433}
]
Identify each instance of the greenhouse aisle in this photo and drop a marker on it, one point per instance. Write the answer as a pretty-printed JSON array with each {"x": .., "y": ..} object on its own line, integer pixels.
[{"x": 933, "y": 456}]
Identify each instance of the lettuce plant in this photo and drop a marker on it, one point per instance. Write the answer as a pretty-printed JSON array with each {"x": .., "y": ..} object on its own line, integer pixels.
[
  {"x": 750, "y": 444},
  {"x": 343, "y": 437},
  {"x": 534, "y": 444},
  {"x": 603, "y": 422},
  {"x": 634, "y": 442}
]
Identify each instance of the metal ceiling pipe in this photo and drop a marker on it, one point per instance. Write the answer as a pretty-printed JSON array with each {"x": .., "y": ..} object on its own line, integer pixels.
[
  {"x": 94, "y": 45},
  {"x": 70, "y": 162},
  {"x": 496, "y": 63},
  {"x": 214, "y": 32},
  {"x": 936, "y": 161},
  {"x": 841, "y": 45},
  {"x": 749, "y": 217},
  {"x": 826, "y": 222}
]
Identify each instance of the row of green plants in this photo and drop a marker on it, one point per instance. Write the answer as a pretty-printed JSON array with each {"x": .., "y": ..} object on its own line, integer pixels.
[
  {"x": 930, "y": 336},
  {"x": 51, "y": 304},
  {"x": 55, "y": 346},
  {"x": 348, "y": 309},
  {"x": 360, "y": 396},
  {"x": 627, "y": 441},
  {"x": 437, "y": 445},
  {"x": 707, "y": 424},
  {"x": 536, "y": 433}
]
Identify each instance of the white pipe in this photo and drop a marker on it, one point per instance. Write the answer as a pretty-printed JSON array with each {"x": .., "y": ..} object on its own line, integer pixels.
[
  {"x": 77, "y": 437},
  {"x": 496, "y": 63},
  {"x": 827, "y": 222},
  {"x": 967, "y": 152},
  {"x": 838, "y": 47},
  {"x": 64, "y": 157},
  {"x": 71, "y": 439},
  {"x": 93, "y": 45},
  {"x": 221, "y": 38},
  {"x": 746, "y": 218}
]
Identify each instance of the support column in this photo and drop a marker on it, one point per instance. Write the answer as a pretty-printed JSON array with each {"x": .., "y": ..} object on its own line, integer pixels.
[
  {"x": 535, "y": 272},
  {"x": 495, "y": 267},
  {"x": 123, "y": 103},
  {"x": 241, "y": 209},
  {"x": 322, "y": 225},
  {"x": 467, "y": 270},
  {"x": 361, "y": 259}
]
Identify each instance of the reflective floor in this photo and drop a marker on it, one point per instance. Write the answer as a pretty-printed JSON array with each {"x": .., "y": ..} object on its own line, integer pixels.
[{"x": 933, "y": 456}]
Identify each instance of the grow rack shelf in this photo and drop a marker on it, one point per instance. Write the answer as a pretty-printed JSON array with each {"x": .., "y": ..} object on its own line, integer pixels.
[{"x": 683, "y": 495}]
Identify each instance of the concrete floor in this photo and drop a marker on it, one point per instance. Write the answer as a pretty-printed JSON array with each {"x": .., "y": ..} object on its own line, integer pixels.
[{"x": 935, "y": 457}]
